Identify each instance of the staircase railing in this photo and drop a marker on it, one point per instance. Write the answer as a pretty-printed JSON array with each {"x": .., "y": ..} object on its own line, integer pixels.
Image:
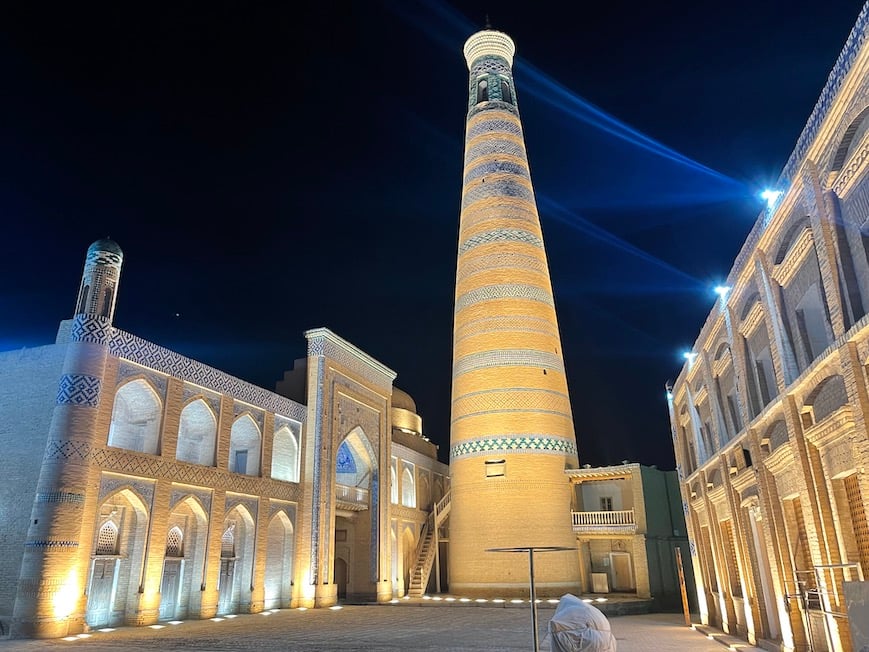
[{"x": 427, "y": 549}]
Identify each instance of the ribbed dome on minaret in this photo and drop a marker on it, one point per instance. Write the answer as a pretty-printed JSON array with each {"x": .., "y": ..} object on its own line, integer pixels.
[
  {"x": 511, "y": 428},
  {"x": 106, "y": 244}
]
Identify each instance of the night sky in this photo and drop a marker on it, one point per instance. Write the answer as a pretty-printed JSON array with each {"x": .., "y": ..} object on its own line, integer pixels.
[{"x": 271, "y": 167}]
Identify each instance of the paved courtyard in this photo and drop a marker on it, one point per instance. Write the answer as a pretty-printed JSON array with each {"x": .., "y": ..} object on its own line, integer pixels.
[{"x": 383, "y": 628}]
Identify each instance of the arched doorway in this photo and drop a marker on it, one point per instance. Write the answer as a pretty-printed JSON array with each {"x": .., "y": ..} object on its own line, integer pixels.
[
  {"x": 340, "y": 577},
  {"x": 279, "y": 562},
  {"x": 116, "y": 562},
  {"x": 184, "y": 560},
  {"x": 236, "y": 559},
  {"x": 356, "y": 521}
]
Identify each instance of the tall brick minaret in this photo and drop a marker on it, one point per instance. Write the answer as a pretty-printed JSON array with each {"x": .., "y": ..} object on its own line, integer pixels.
[
  {"x": 51, "y": 597},
  {"x": 511, "y": 433}
]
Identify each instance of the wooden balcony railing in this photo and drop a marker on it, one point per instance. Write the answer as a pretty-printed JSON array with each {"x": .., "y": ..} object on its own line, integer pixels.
[
  {"x": 620, "y": 521},
  {"x": 351, "y": 495}
]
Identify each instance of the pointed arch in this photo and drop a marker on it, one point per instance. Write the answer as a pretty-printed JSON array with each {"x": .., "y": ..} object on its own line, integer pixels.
[
  {"x": 136, "y": 417},
  {"x": 393, "y": 483},
  {"x": 408, "y": 554},
  {"x": 114, "y": 573},
  {"x": 279, "y": 562},
  {"x": 852, "y": 136},
  {"x": 356, "y": 463},
  {"x": 236, "y": 561},
  {"x": 197, "y": 433},
  {"x": 408, "y": 486},
  {"x": 245, "y": 444},
  {"x": 789, "y": 238},
  {"x": 827, "y": 397},
  {"x": 285, "y": 455}
]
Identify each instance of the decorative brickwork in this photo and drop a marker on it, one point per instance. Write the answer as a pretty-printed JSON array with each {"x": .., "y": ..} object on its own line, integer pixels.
[
  {"x": 79, "y": 389},
  {"x": 91, "y": 328},
  {"x": 506, "y": 291},
  {"x": 135, "y": 349},
  {"x": 508, "y": 358},
  {"x": 500, "y": 235}
]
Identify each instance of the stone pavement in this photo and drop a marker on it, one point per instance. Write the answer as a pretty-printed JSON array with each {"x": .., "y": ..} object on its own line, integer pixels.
[{"x": 386, "y": 628}]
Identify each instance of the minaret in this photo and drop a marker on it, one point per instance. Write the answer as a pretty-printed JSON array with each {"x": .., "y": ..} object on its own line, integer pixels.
[
  {"x": 51, "y": 598},
  {"x": 511, "y": 434}
]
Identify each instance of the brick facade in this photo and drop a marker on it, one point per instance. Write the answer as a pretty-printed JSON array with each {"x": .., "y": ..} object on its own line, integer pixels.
[{"x": 775, "y": 494}]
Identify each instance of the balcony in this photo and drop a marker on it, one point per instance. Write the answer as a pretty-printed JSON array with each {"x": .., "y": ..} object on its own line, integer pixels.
[
  {"x": 621, "y": 522},
  {"x": 351, "y": 498}
]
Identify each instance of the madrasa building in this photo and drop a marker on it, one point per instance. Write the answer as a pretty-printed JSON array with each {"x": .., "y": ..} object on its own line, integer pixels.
[
  {"x": 151, "y": 487},
  {"x": 770, "y": 412}
]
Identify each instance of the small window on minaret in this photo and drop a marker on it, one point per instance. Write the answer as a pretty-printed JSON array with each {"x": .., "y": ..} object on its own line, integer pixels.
[
  {"x": 107, "y": 302},
  {"x": 482, "y": 91},
  {"x": 496, "y": 468},
  {"x": 506, "y": 93},
  {"x": 83, "y": 298}
]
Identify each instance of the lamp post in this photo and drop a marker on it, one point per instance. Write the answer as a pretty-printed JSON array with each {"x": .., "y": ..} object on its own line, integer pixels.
[{"x": 531, "y": 550}]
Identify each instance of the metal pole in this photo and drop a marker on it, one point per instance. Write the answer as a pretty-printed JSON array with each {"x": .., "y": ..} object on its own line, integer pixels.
[
  {"x": 682, "y": 586},
  {"x": 533, "y": 600},
  {"x": 437, "y": 545}
]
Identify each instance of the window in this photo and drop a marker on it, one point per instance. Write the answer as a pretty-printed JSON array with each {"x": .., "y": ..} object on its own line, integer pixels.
[
  {"x": 482, "y": 91},
  {"x": 606, "y": 503},
  {"x": 240, "y": 461},
  {"x": 408, "y": 488},
  {"x": 506, "y": 93},
  {"x": 107, "y": 539},
  {"x": 244, "y": 446},
  {"x": 227, "y": 542},
  {"x": 136, "y": 416},
  {"x": 285, "y": 456},
  {"x": 734, "y": 413},
  {"x": 174, "y": 541},
  {"x": 496, "y": 468},
  {"x": 197, "y": 432}
]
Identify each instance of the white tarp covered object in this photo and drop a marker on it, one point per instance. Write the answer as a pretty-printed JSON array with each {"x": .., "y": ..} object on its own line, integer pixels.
[{"x": 578, "y": 626}]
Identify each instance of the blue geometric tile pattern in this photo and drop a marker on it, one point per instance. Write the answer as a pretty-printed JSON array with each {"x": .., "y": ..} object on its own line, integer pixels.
[
  {"x": 508, "y": 260},
  {"x": 487, "y": 126},
  {"x": 491, "y": 64},
  {"x": 508, "y": 358},
  {"x": 506, "y": 291},
  {"x": 90, "y": 328},
  {"x": 79, "y": 389},
  {"x": 42, "y": 543},
  {"x": 495, "y": 190},
  {"x": 59, "y": 497},
  {"x": 500, "y": 235},
  {"x": 493, "y": 145},
  {"x": 513, "y": 444},
  {"x": 345, "y": 462},
  {"x": 497, "y": 167}
]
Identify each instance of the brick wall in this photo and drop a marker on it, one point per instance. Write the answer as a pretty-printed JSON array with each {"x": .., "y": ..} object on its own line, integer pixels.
[{"x": 28, "y": 387}]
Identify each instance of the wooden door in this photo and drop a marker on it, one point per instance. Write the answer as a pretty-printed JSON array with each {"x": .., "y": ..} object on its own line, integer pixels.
[
  {"x": 99, "y": 609},
  {"x": 227, "y": 577},
  {"x": 170, "y": 587}
]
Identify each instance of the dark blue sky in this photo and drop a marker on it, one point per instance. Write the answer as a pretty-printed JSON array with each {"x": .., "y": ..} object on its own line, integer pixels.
[{"x": 272, "y": 167}]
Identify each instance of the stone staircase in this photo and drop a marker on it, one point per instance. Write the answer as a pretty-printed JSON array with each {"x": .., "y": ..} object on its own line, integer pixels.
[{"x": 427, "y": 548}]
